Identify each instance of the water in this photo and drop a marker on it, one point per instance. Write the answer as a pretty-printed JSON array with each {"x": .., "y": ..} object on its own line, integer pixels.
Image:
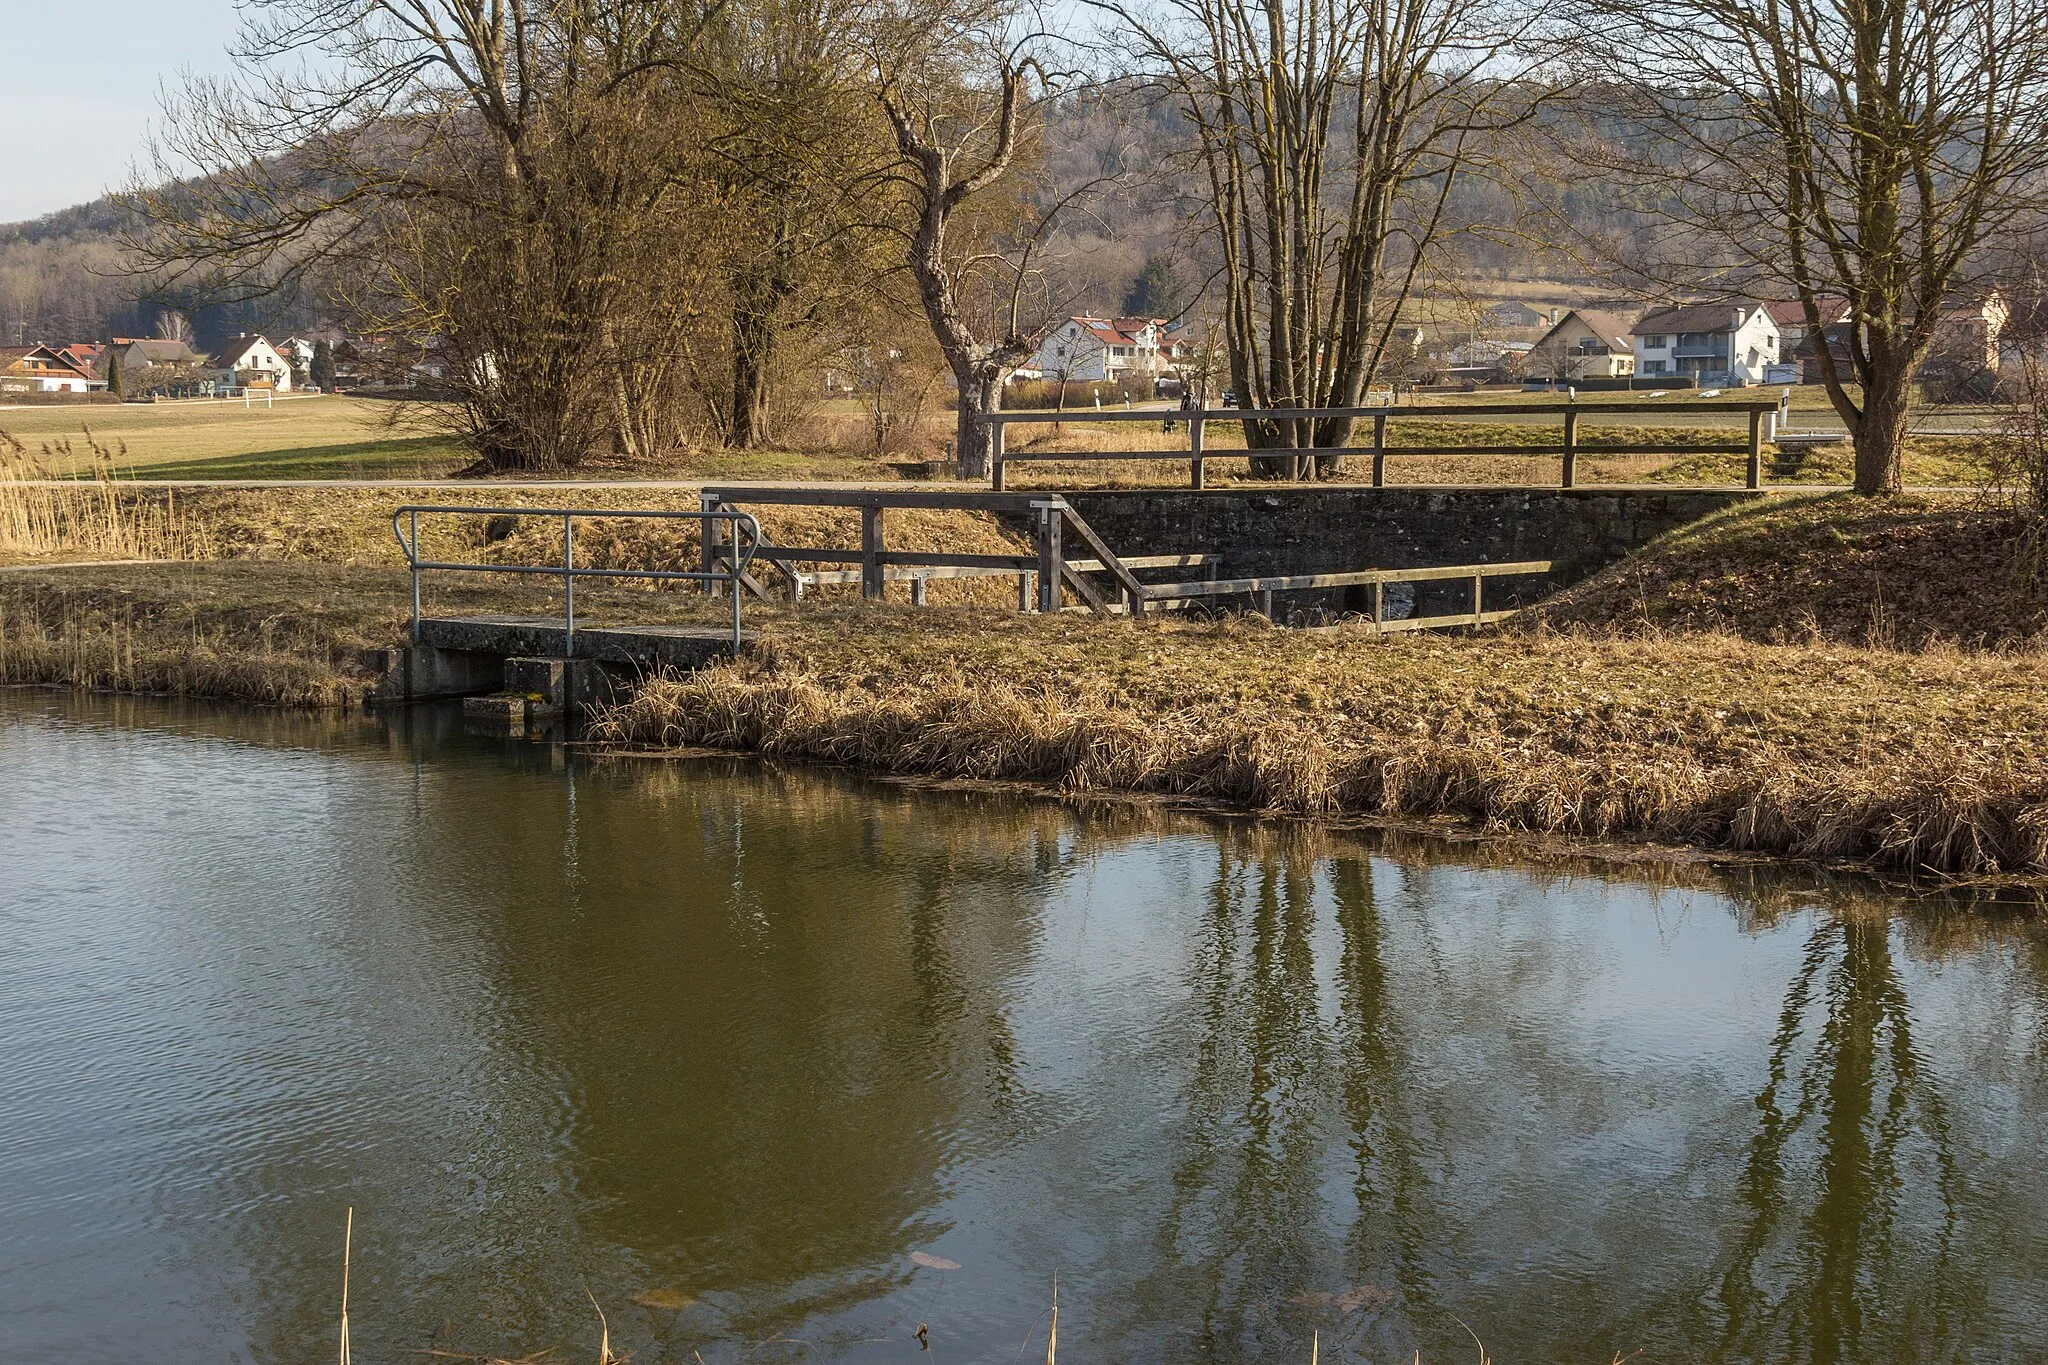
[{"x": 725, "y": 1046}]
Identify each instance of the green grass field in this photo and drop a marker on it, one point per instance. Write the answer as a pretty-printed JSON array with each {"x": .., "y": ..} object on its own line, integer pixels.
[{"x": 314, "y": 437}]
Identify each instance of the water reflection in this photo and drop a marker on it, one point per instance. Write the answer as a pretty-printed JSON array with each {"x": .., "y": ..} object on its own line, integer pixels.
[
  {"x": 726, "y": 1044},
  {"x": 1852, "y": 1131}
]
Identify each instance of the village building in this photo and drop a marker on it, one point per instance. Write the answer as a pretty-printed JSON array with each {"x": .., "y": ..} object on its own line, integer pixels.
[
  {"x": 88, "y": 356},
  {"x": 1090, "y": 350},
  {"x": 1726, "y": 344},
  {"x": 251, "y": 362},
  {"x": 40, "y": 369},
  {"x": 1586, "y": 343},
  {"x": 1516, "y": 313}
]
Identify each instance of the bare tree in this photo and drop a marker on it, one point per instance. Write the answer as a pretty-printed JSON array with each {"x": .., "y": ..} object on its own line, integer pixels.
[
  {"x": 963, "y": 93},
  {"x": 954, "y": 88},
  {"x": 802, "y": 154},
  {"x": 497, "y": 181},
  {"x": 1330, "y": 137},
  {"x": 1866, "y": 150}
]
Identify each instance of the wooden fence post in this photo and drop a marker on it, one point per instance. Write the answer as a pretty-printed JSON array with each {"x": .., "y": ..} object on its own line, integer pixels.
[
  {"x": 1571, "y": 447},
  {"x": 1756, "y": 449},
  {"x": 1195, "y": 444},
  {"x": 1379, "y": 450},
  {"x": 995, "y": 462},
  {"x": 871, "y": 580},
  {"x": 1049, "y": 557},
  {"x": 711, "y": 536},
  {"x": 1478, "y": 592}
]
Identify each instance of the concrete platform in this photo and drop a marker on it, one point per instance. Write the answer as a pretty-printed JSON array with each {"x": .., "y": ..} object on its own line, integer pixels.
[{"x": 678, "y": 646}]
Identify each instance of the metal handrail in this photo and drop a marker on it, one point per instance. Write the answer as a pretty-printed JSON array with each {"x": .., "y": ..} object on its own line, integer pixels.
[
  {"x": 1568, "y": 448},
  {"x": 407, "y": 520}
]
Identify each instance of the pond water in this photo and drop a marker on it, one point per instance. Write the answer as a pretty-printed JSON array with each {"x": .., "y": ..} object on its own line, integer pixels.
[{"x": 743, "y": 1054}]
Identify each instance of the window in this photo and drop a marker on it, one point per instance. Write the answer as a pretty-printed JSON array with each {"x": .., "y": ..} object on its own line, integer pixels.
[
  {"x": 1656, "y": 342},
  {"x": 1653, "y": 367}
]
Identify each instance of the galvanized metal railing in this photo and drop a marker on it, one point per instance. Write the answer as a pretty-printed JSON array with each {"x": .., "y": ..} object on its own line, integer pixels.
[{"x": 743, "y": 535}]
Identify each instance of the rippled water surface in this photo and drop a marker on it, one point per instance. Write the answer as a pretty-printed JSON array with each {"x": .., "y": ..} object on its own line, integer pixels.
[{"x": 728, "y": 1048}]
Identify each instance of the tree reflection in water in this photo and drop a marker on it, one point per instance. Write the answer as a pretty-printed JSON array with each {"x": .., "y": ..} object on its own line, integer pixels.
[{"x": 1852, "y": 1131}]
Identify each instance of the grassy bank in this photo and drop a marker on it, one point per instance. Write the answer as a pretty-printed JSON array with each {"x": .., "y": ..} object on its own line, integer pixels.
[
  {"x": 1913, "y": 761},
  {"x": 1825, "y": 677},
  {"x": 1911, "y": 572}
]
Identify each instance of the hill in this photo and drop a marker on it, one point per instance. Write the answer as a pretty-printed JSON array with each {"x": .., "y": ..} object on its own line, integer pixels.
[{"x": 1904, "y": 572}]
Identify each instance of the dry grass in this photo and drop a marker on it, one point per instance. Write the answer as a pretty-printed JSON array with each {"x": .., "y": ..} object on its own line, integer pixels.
[
  {"x": 91, "y": 520},
  {"x": 1907, "y": 571},
  {"x": 1817, "y": 753}
]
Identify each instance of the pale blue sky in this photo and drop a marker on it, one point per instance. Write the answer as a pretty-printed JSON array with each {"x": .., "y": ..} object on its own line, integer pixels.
[{"x": 78, "y": 90}]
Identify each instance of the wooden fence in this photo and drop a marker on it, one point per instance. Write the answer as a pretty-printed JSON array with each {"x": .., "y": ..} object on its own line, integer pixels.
[
  {"x": 1567, "y": 448},
  {"x": 1105, "y": 582}
]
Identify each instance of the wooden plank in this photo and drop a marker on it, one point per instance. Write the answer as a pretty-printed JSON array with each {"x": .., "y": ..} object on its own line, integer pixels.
[
  {"x": 805, "y": 554},
  {"x": 1418, "y": 412},
  {"x": 1134, "y": 591},
  {"x": 1150, "y": 562},
  {"x": 832, "y": 577},
  {"x": 1087, "y": 592},
  {"x": 937, "y": 559},
  {"x": 881, "y": 497},
  {"x": 1303, "y": 582},
  {"x": 1463, "y": 618}
]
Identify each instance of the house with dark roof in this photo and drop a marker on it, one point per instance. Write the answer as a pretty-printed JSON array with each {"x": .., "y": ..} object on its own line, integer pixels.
[
  {"x": 246, "y": 361},
  {"x": 40, "y": 369},
  {"x": 1586, "y": 343},
  {"x": 1727, "y": 344}
]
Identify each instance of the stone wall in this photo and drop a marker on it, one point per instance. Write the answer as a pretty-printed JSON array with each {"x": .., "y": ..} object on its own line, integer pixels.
[{"x": 1296, "y": 530}]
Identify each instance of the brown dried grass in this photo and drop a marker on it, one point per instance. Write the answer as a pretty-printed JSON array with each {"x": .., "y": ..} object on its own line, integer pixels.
[
  {"x": 88, "y": 518},
  {"x": 1826, "y": 754}
]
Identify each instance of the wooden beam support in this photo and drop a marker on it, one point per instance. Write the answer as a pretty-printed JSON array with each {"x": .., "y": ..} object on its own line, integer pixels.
[
  {"x": 1050, "y": 561},
  {"x": 872, "y": 584}
]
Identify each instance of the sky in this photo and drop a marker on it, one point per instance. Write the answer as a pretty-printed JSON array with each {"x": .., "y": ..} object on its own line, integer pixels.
[{"x": 79, "y": 88}]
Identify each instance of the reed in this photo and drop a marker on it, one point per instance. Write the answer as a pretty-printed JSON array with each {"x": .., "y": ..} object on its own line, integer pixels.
[{"x": 41, "y": 517}]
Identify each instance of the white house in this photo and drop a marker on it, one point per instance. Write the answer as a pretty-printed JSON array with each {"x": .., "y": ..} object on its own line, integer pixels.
[
  {"x": 1086, "y": 350},
  {"x": 40, "y": 369},
  {"x": 1715, "y": 343},
  {"x": 252, "y": 362}
]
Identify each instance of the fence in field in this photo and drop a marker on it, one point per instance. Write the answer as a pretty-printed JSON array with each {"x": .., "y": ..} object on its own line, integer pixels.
[
  {"x": 1067, "y": 556},
  {"x": 1764, "y": 418}
]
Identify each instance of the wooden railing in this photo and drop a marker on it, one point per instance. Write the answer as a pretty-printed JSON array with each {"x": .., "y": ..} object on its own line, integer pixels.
[
  {"x": 1104, "y": 581},
  {"x": 1567, "y": 448}
]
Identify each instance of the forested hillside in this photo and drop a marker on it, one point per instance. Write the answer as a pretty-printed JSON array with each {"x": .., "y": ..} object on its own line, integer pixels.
[{"x": 1135, "y": 245}]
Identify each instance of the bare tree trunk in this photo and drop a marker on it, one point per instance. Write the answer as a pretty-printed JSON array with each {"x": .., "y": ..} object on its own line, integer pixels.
[
  {"x": 1880, "y": 432},
  {"x": 974, "y": 440},
  {"x": 753, "y": 342}
]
